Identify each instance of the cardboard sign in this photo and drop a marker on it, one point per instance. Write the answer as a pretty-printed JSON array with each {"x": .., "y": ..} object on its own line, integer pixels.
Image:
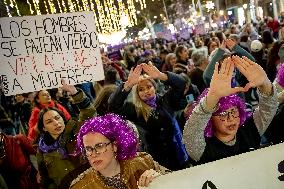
[
  {"x": 115, "y": 56},
  {"x": 36, "y": 52},
  {"x": 166, "y": 34},
  {"x": 184, "y": 33},
  {"x": 260, "y": 169},
  {"x": 200, "y": 29}
]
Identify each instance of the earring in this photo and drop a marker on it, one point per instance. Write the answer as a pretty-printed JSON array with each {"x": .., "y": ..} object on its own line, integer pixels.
[{"x": 115, "y": 154}]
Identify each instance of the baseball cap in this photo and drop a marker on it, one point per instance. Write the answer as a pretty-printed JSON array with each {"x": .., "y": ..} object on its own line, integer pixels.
[{"x": 255, "y": 46}]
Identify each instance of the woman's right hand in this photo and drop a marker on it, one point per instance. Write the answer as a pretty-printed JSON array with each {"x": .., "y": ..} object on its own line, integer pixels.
[
  {"x": 68, "y": 88},
  {"x": 220, "y": 85},
  {"x": 133, "y": 77},
  {"x": 230, "y": 44}
]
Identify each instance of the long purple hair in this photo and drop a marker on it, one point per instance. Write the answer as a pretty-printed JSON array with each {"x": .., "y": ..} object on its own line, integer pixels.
[{"x": 114, "y": 128}]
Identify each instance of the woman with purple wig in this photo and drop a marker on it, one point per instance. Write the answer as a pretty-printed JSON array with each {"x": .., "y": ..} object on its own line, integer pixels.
[
  {"x": 110, "y": 145},
  {"x": 219, "y": 126}
]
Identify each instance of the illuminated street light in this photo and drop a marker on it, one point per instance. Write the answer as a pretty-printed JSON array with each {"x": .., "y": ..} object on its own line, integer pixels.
[{"x": 209, "y": 5}]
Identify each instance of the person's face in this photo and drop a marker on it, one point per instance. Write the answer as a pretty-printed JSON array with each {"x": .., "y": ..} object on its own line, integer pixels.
[
  {"x": 19, "y": 98},
  {"x": 173, "y": 61},
  {"x": 99, "y": 150},
  {"x": 44, "y": 97},
  {"x": 134, "y": 53},
  {"x": 31, "y": 97},
  {"x": 163, "y": 57},
  {"x": 146, "y": 89},
  {"x": 53, "y": 123},
  {"x": 227, "y": 122},
  {"x": 233, "y": 30},
  {"x": 213, "y": 46},
  {"x": 184, "y": 54}
]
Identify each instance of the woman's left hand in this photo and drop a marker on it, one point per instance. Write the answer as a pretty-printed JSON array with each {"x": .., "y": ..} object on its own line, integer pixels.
[
  {"x": 254, "y": 74},
  {"x": 147, "y": 177},
  {"x": 252, "y": 71},
  {"x": 69, "y": 88},
  {"x": 153, "y": 72}
]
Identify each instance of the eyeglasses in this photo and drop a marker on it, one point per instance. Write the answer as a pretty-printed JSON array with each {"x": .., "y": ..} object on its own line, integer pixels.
[
  {"x": 98, "y": 148},
  {"x": 223, "y": 116}
]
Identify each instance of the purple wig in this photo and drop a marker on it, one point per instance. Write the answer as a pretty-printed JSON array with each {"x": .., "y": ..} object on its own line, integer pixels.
[
  {"x": 280, "y": 75},
  {"x": 226, "y": 103},
  {"x": 115, "y": 129}
]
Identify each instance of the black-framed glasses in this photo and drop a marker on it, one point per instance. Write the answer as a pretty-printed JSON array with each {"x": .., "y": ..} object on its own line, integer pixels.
[
  {"x": 98, "y": 148},
  {"x": 223, "y": 116}
]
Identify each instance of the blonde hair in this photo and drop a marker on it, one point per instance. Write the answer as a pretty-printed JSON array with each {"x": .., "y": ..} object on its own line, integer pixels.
[{"x": 142, "y": 109}]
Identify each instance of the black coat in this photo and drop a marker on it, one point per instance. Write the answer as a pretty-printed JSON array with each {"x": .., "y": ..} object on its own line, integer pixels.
[{"x": 275, "y": 132}]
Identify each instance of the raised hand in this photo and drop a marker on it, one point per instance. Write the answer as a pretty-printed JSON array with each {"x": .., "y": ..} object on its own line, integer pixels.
[
  {"x": 153, "y": 72},
  {"x": 106, "y": 60},
  {"x": 68, "y": 88},
  {"x": 230, "y": 43},
  {"x": 252, "y": 71},
  {"x": 220, "y": 85},
  {"x": 147, "y": 177},
  {"x": 254, "y": 74},
  {"x": 133, "y": 77}
]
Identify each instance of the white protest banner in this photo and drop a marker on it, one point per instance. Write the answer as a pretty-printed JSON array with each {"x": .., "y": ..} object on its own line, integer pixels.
[
  {"x": 260, "y": 169},
  {"x": 37, "y": 51}
]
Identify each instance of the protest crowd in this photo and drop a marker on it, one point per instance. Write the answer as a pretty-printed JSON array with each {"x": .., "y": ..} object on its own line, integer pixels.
[{"x": 163, "y": 106}]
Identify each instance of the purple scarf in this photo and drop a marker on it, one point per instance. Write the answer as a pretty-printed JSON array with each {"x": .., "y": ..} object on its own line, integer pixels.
[
  {"x": 151, "y": 102},
  {"x": 53, "y": 147}
]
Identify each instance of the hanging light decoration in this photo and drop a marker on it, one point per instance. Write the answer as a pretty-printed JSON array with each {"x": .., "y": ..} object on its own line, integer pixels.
[
  {"x": 7, "y": 8},
  {"x": 15, "y": 5},
  {"x": 107, "y": 13},
  {"x": 31, "y": 10}
]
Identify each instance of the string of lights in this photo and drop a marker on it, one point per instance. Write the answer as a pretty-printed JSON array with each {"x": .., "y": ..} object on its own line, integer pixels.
[{"x": 108, "y": 13}]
